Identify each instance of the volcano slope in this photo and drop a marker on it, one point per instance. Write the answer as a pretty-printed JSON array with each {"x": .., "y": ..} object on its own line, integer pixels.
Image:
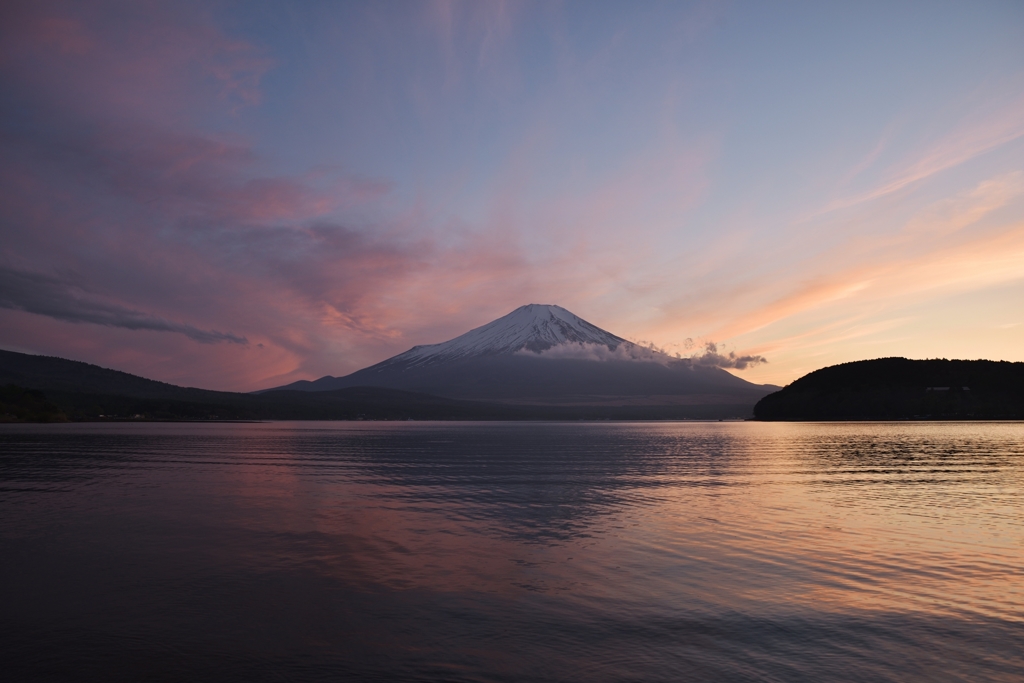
[{"x": 544, "y": 355}]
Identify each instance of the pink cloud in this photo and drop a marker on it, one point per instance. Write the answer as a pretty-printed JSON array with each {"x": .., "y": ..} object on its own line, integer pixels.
[
  {"x": 133, "y": 219},
  {"x": 125, "y": 59},
  {"x": 1001, "y": 123}
]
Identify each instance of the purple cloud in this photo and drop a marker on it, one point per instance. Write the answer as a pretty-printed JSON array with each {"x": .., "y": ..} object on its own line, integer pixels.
[{"x": 61, "y": 300}]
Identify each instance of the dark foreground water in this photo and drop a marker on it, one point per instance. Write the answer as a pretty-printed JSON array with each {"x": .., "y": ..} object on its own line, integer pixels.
[{"x": 512, "y": 552}]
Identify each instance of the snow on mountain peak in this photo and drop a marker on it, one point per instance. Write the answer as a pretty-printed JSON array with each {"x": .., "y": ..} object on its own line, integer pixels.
[{"x": 534, "y": 327}]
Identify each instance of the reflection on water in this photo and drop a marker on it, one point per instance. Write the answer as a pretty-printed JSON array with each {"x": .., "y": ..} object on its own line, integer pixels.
[{"x": 513, "y": 551}]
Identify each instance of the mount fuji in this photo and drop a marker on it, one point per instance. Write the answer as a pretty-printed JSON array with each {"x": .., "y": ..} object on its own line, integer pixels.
[{"x": 545, "y": 355}]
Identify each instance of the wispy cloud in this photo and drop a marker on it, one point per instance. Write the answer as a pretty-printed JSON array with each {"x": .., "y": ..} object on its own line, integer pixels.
[
  {"x": 942, "y": 245},
  {"x": 969, "y": 140},
  {"x": 711, "y": 357},
  {"x": 158, "y": 60},
  {"x": 599, "y": 352},
  {"x": 708, "y": 356},
  {"x": 61, "y": 300}
]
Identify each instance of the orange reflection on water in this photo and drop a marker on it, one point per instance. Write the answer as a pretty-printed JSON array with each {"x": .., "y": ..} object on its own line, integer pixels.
[{"x": 750, "y": 517}]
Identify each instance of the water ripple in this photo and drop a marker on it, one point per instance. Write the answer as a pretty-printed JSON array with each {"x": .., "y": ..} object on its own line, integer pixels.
[{"x": 506, "y": 552}]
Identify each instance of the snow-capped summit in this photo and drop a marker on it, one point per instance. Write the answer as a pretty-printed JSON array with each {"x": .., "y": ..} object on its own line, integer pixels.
[
  {"x": 533, "y": 327},
  {"x": 544, "y": 355}
]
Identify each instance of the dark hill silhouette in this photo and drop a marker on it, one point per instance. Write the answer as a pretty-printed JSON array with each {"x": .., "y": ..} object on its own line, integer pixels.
[
  {"x": 86, "y": 391},
  {"x": 51, "y": 374},
  {"x": 44, "y": 388},
  {"x": 899, "y": 388},
  {"x": 18, "y": 404}
]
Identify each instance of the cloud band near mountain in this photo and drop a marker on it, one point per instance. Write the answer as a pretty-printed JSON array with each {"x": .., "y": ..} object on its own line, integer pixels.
[
  {"x": 628, "y": 351},
  {"x": 711, "y": 357}
]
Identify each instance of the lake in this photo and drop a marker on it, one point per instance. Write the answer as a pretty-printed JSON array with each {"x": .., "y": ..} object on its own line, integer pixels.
[{"x": 512, "y": 552}]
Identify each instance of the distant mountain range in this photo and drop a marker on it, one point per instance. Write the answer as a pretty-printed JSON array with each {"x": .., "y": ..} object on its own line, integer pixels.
[
  {"x": 538, "y": 362},
  {"x": 43, "y": 388},
  {"x": 899, "y": 388},
  {"x": 544, "y": 355}
]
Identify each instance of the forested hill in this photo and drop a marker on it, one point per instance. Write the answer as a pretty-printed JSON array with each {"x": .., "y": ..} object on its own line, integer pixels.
[
  {"x": 899, "y": 388},
  {"x": 51, "y": 374}
]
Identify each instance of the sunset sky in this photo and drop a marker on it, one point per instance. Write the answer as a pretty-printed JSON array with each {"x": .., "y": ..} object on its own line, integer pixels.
[{"x": 239, "y": 195}]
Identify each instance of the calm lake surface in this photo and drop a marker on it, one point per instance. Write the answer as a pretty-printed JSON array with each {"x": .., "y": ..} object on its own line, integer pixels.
[{"x": 512, "y": 552}]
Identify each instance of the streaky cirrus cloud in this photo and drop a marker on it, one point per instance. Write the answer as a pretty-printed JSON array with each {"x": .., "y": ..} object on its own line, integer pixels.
[
  {"x": 933, "y": 249},
  {"x": 59, "y": 299}
]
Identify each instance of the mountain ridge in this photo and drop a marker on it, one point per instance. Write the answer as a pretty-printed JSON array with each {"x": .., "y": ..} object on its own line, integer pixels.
[
  {"x": 49, "y": 388},
  {"x": 543, "y": 353},
  {"x": 533, "y": 327}
]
